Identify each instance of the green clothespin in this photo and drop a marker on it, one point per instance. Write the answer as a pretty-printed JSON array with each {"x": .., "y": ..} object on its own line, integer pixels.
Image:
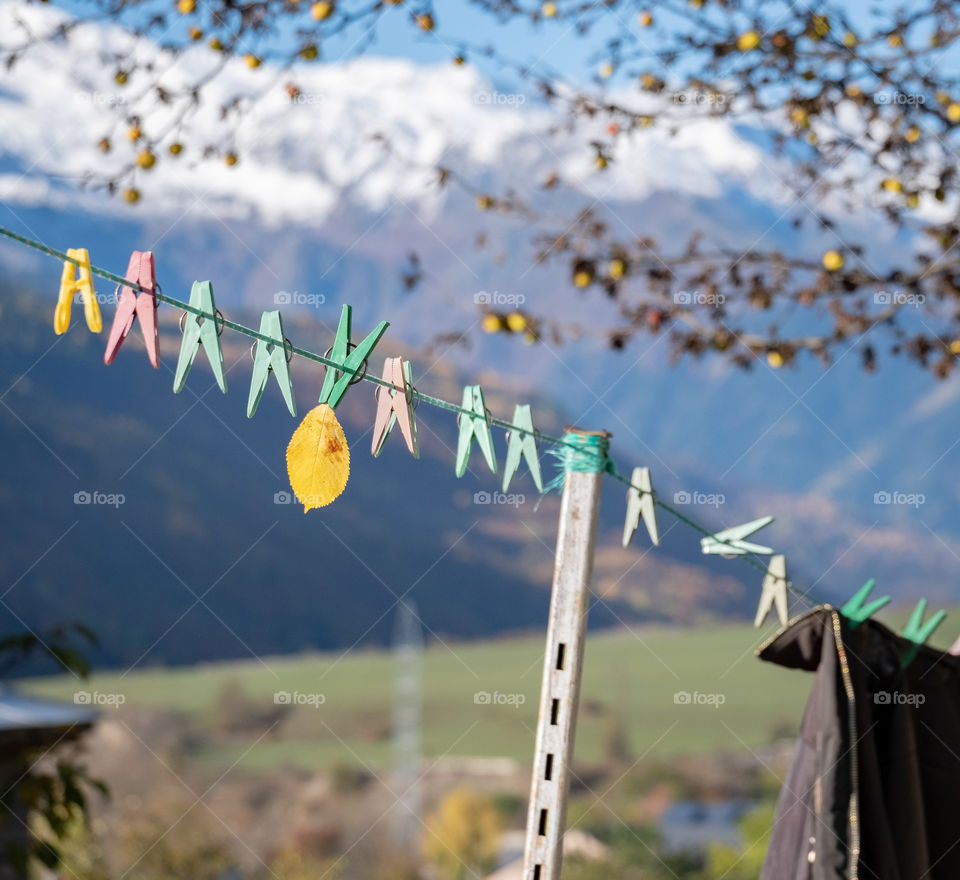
[
  {"x": 474, "y": 423},
  {"x": 200, "y": 330},
  {"x": 270, "y": 357},
  {"x": 336, "y": 382},
  {"x": 856, "y": 612},
  {"x": 522, "y": 443},
  {"x": 917, "y": 632}
]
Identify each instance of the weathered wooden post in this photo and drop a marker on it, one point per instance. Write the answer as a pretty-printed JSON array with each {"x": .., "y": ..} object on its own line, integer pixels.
[{"x": 585, "y": 461}]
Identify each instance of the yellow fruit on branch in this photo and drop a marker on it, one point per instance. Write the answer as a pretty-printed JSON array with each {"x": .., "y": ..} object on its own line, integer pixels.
[
  {"x": 252, "y": 60},
  {"x": 747, "y": 41},
  {"x": 310, "y": 53},
  {"x": 583, "y": 273},
  {"x": 617, "y": 269},
  {"x": 516, "y": 322},
  {"x": 953, "y": 112},
  {"x": 146, "y": 159},
  {"x": 120, "y": 77},
  {"x": 491, "y": 323},
  {"x": 131, "y": 195},
  {"x": 892, "y": 185},
  {"x": 134, "y": 132},
  {"x": 176, "y": 148},
  {"x": 833, "y": 261},
  {"x": 425, "y": 21},
  {"x": 185, "y": 7},
  {"x": 774, "y": 358},
  {"x": 548, "y": 10},
  {"x": 321, "y": 10},
  {"x": 645, "y": 19},
  {"x": 484, "y": 203},
  {"x": 195, "y": 34},
  {"x": 231, "y": 159},
  {"x": 216, "y": 45}
]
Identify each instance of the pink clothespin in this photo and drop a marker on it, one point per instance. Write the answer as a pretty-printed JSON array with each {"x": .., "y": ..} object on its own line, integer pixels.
[
  {"x": 134, "y": 304},
  {"x": 956, "y": 648},
  {"x": 395, "y": 406}
]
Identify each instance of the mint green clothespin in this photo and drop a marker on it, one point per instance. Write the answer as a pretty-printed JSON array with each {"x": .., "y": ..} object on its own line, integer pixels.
[
  {"x": 270, "y": 357},
  {"x": 856, "y": 612},
  {"x": 474, "y": 423},
  {"x": 336, "y": 382},
  {"x": 200, "y": 330},
  {"x": 917, "y": 632},
  {"x": 522, "y": 442}
]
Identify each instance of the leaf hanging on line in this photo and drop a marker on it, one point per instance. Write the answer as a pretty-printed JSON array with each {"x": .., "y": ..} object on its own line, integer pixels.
[{"x": 318, "y": 458}]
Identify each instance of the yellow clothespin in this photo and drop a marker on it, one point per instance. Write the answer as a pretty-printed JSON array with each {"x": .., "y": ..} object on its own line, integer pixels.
[{"x": 70, "y": 285}]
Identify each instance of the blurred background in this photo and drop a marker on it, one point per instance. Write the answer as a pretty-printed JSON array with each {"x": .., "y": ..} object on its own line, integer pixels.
[{"x": 723, "y": 232}]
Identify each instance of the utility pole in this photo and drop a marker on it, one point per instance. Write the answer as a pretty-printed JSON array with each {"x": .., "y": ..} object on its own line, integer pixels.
[
  {"x": 407, "y": 725},
  {"x": 563, "y": 662}
]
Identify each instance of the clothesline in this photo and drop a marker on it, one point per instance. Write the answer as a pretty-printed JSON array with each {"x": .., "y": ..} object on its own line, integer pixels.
[{"x": 419, "y": 397}]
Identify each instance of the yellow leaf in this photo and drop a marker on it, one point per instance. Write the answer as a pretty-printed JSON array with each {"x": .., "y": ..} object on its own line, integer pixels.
[{"x": 318, "y": 459}]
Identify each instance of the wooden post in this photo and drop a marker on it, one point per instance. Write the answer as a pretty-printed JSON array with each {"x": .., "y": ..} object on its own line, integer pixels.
[{"x": 562, "y": 667}]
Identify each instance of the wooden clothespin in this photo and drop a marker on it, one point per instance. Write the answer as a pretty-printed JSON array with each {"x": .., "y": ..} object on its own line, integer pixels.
[
  {"x": 856, "y": 611},
  {"x": 774, "y": 591},
  {"x": 395, "y": 407},
  {"x": 271, "y": 357},
  {"x": 522, "y": 442},
  {"x": 336, "y": 382},
  {"x": 917, "y": 631},
  {"x": 640, "y": 505},
  {"x": 730, "y": 541},
  {"x": 72, "y": 283},
  {"x": 200, "y": 330},
  {"x": 474, "y": 423},
  {"x": 137, "y": 304}
]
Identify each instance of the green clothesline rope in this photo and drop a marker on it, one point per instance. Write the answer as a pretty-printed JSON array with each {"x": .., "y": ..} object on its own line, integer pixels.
[{"x": 583, "y": 452}]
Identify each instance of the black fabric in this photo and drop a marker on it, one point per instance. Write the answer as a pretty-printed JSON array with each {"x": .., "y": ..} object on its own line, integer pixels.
[{"x": 891, "y": 761}]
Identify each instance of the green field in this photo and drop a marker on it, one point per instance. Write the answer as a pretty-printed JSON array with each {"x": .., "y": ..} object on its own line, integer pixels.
[{"x": 630, "y": 679}]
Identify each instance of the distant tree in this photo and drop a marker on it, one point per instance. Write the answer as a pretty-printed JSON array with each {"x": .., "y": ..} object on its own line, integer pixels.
[
  {"x": 744, "y": 862},
  {"x": 859, "y": 113},
  {"x": 54, "y": 791},
  {"x": 461, "y": 838}
]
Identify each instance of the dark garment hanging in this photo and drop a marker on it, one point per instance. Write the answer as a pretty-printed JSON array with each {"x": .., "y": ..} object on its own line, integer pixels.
[{"x": 874, "y": 789}]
